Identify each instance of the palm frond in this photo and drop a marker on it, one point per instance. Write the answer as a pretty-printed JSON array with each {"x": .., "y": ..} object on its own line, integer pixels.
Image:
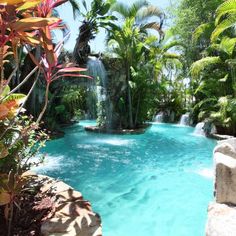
[
  {"x": 171, "y": 55},
  {"x": 227, "y": 45},
  {"x": 85, "y": 5},
  {"x": 200, "y": 65},
  {"x": 173, "y": 44},
  {"x": 205, "y": 101},
  {"x": 149, "y": 11},
  {"x": 75, "y": 8},
  {"x": 224, "y": 25},
  {"x": 121, "y": 8},
  {"x": 152, "y": 25},
  {"x": 200, "y": 30},
  {"x": 136, "y": 7},
  {"x": 228, "y": 7}
]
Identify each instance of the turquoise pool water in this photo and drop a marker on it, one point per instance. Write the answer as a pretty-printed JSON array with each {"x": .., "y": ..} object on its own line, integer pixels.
[{"x": 155, "y": 184}]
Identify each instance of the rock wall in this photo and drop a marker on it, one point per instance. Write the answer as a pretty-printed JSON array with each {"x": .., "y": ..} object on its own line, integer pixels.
[
  {"x": 222, "y": 212},
  {"x": 72, "y": 215}
]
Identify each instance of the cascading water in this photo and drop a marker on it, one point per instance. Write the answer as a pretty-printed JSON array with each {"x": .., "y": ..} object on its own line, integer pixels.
[
  {"x": 184, "y": 120},
  {"x": 159, "y": 118},
  {"x": 199, "y": 129},
  {"x": 99, "y": 86}
]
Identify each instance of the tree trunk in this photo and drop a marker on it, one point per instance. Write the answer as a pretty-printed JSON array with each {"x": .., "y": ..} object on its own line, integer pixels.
[
  {"x": 137, "y": 111},
  {"x": 82, "y": 49},
  {"x": 131, "y": 125}
]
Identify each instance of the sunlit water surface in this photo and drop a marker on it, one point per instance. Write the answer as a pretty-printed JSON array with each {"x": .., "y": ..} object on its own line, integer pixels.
[{"x": 155, "y": 184}]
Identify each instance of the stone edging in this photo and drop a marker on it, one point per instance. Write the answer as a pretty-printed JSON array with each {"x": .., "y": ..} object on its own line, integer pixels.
[
  {"x": 96, "y": 129},
  {"x": 72, "y": 215},
  {"x": 222, "y": 212}
]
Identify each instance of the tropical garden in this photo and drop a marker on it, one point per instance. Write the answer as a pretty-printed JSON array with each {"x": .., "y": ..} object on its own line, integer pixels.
[{"x": 173, "y": 61}]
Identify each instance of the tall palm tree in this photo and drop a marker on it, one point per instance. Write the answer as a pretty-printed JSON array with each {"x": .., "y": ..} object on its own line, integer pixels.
[{"x": 131, "y": 39}]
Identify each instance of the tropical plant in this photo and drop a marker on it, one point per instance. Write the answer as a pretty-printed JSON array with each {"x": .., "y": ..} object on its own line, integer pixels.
[
  {"x": 95, "y": 17},
  {"x": 225, "y": 18},
  {"x": 25, "y": 24},
  {"x": 215, "y": 72},
  {"x": 131, "y": 42},
  {"x": 10, "y": 188}
]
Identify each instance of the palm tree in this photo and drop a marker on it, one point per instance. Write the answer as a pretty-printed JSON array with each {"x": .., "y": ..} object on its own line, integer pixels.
[
  {"x": 131, "y": 40},
  {"x": 216, "y": 71},
  {"x": 94, "y": 18},
  {"x": 225, "y": 18}
]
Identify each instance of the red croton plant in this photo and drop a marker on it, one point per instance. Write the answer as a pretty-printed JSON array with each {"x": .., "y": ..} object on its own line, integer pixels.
[{"x": 26, "y": 24}]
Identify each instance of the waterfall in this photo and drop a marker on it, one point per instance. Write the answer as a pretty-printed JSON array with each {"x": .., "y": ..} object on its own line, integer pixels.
[
  {"x": 184, "y": 120},
  {"x": 159, "y": 117},
  {"x": 99, "y": 86},
  {"x": 199, "y": 129}
]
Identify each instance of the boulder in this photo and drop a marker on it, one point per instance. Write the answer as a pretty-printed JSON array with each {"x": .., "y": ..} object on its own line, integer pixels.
[
  {"x": 72, "y": 215},
  {"x": 221, "y": 220},
  {"x": 226, "y": 148},
  {"x": 231, "y": 141},
  {"x": 225, "y": 178},
  {"x": 68, "y": 226}
]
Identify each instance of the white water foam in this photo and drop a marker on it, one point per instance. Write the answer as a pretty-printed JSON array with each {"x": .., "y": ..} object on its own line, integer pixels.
[
  {"x": 206, "y": 173},
  {"x": 49, "y": 163},
  {"x": 115, "y": 142},
  {"x": 198, "y": 131}
]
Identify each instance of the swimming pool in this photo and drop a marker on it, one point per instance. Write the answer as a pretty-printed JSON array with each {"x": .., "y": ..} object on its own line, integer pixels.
[{"x": 155, "y": 184}]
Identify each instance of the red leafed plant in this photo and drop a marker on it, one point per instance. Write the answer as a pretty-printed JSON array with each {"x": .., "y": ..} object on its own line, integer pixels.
[{"x": 25, "y": 24}]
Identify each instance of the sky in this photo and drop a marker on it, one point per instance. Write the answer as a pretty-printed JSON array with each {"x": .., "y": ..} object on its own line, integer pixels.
[{"x": 97, "y": 45}]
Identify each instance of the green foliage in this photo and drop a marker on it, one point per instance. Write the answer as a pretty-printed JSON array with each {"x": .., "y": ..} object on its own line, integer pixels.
[
  {"x": 131, "y": 42},
  {"x": 214, "y": 73},
  {"x": 200, "y": 65},
  {"x": 193, "y": 18},
  {"x": 22, "y": 142},
  {"x": 225, "y": 18}
]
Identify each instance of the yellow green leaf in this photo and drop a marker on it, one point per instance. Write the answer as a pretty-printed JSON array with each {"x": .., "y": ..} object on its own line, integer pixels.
[
  {"x": 5, "y": 198},
  {"x": 28, "y": 5}
]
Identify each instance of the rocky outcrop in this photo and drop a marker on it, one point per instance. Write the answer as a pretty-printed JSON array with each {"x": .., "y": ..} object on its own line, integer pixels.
[
  {"x": 72, "y": 215},
  {"x": 221, "y": 220},
  {"x": 222, "y": 212}
]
